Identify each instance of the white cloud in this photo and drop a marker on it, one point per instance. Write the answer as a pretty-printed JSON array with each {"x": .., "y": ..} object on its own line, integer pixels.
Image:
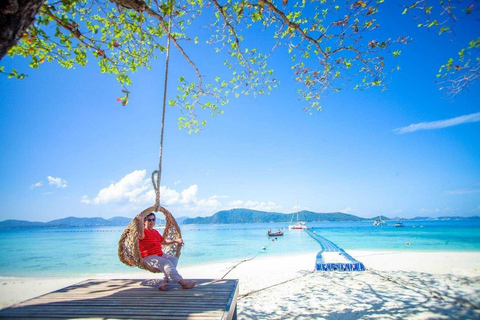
[
  {"x": 168, "y": 196},
  {"x": 58, "y": 182},
  {"x": 36, "y": 185},
  {"x": 347, "y": 210},
  {"x": 130, "y": 188},
  {"x": 296, "y": 208},
  {"x": 189, "y": 195},
  {"x": 134, "y": 191},
  {"x": 474, "y": 117},
  {"x": 177, "y": 182},
  {"x": 219, "y": 197},
  {"x": 207, "y": 206},
  {"x": 190, "y": 202},
  {"x": 235, "y": 204}
]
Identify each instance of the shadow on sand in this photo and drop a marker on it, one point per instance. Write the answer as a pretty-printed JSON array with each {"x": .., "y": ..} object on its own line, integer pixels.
[{"x": 367, "y": 295}]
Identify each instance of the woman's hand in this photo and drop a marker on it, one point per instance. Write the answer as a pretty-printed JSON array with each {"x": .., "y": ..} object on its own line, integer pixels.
[
  {"x": 180, "y": 242},
  {"x": 141, "y": 232}
]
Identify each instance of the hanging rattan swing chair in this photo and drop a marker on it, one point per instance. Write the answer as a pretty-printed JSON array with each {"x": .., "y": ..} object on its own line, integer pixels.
[{"x": 128, "y": 248}]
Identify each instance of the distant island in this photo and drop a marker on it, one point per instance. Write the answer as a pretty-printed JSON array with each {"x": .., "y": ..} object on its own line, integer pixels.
[
  {"x": 221, "y": 217},
  {"x": 74, "y": 222},
  {"x": 253, "y": 216}
]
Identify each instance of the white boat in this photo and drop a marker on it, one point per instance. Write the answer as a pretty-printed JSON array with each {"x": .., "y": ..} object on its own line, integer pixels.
[
  {"x": 298, "y": 225},
  {"x": 379, "y": 221}
]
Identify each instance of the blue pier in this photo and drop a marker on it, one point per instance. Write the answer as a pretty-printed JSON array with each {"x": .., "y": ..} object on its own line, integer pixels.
[{"x": 332, "y": 257}]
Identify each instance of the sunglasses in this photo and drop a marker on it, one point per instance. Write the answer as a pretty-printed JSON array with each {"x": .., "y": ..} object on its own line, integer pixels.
[{"x": 149, "y": 220}]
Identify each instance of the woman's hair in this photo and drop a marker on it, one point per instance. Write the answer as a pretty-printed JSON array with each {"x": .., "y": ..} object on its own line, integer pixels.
[{"x": 148, "y": 215}]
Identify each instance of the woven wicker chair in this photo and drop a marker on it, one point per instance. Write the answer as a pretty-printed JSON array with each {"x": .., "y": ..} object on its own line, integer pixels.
[{"x": 128, "y": 250}]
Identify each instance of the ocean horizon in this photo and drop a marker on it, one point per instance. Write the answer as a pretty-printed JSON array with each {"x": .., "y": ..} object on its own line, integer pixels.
[{"x": 83, "y": 251}]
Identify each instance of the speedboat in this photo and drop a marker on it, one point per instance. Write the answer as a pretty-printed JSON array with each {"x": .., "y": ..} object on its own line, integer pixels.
[{"x": 398, "y": 225}]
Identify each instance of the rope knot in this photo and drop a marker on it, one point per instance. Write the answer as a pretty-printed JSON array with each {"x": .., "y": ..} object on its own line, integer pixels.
[{"x": 156, "y": 187}]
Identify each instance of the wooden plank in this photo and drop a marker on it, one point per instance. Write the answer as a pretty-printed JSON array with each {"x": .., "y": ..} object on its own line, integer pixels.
[
  {"x": 106, "y": 316},
  {"x": 169, "y": 317},
  {"x": 132, "y": 299},
  {"x": 131, "y": 302},
  {"x": 131, "y": 306},
  {"x": 191, "y": 308},
  {"x": 159, "y": 297},
  {"x": 75, "y": 312},
  {"x": 149, "y": 292},
  {"x": 140, "y": 309}
]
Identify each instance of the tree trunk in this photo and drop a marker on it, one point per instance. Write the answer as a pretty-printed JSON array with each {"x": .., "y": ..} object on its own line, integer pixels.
[{"x": 15, "y": 17}]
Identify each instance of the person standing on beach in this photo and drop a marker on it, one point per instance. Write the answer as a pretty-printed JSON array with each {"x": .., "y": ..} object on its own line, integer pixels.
[{"x": 150, "y": 244}]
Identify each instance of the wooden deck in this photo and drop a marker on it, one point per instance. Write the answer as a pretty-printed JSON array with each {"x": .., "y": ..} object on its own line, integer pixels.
[{"x": 132, "y": 299}]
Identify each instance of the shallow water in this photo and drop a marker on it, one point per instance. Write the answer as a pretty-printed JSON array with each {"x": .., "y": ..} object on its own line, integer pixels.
[{"x": 93, "y": 250}]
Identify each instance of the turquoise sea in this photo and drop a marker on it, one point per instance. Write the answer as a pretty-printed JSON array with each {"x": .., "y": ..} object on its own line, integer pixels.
[{"x": 87, "y": 251}]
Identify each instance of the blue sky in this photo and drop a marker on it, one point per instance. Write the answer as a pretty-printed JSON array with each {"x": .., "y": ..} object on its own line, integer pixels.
[{"x": 69, "y": 149}]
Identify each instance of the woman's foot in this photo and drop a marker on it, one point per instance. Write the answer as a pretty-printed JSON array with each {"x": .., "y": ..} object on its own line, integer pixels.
[
  {"x": 187, "y": 284},
  {"x": 163, "y": 286}
]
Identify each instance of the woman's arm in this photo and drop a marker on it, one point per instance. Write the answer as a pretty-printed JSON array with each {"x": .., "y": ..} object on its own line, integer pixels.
[
  {"x": 141, "y": 226},
  {"x": 177, "y": 241}
]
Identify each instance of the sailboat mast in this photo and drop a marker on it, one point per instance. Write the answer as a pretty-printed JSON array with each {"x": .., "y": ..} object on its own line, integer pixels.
[{"x": 297, "y": 211}]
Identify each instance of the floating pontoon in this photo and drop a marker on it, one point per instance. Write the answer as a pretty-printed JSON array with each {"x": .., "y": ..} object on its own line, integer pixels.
[{"x": 332, "y": 257}]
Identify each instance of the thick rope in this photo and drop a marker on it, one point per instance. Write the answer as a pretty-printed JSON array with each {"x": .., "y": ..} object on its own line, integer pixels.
[
  {"x": 231, "y": 269},
  {"x": 128, "y": 248},
  {"x": 156, "y": 184},
  {"x": 271, "y": 286}
]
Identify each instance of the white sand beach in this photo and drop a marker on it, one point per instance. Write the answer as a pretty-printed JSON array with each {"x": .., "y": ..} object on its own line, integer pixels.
[{"x": 397, "y": 285}]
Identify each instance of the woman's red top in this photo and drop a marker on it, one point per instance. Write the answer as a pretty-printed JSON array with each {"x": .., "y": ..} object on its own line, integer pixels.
[{"x": 151, "y": 243}]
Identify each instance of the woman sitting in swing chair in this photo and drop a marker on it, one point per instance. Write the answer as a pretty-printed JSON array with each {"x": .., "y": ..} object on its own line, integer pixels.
[{"x": 150, "y": 245}]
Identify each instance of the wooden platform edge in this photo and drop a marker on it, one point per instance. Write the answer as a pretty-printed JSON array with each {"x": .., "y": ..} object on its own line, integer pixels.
[
  {"x": 46, "y": 293},
  {"x": 231, "y": 308}
]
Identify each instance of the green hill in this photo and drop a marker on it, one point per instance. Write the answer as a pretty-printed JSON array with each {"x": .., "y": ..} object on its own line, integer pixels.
[
  {"x": 253, "y": 216},
  {"x": 66, "y": 222}
]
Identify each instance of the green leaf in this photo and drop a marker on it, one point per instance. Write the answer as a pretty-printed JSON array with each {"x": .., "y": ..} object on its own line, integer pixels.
[{"x": 433, "y": 23}]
